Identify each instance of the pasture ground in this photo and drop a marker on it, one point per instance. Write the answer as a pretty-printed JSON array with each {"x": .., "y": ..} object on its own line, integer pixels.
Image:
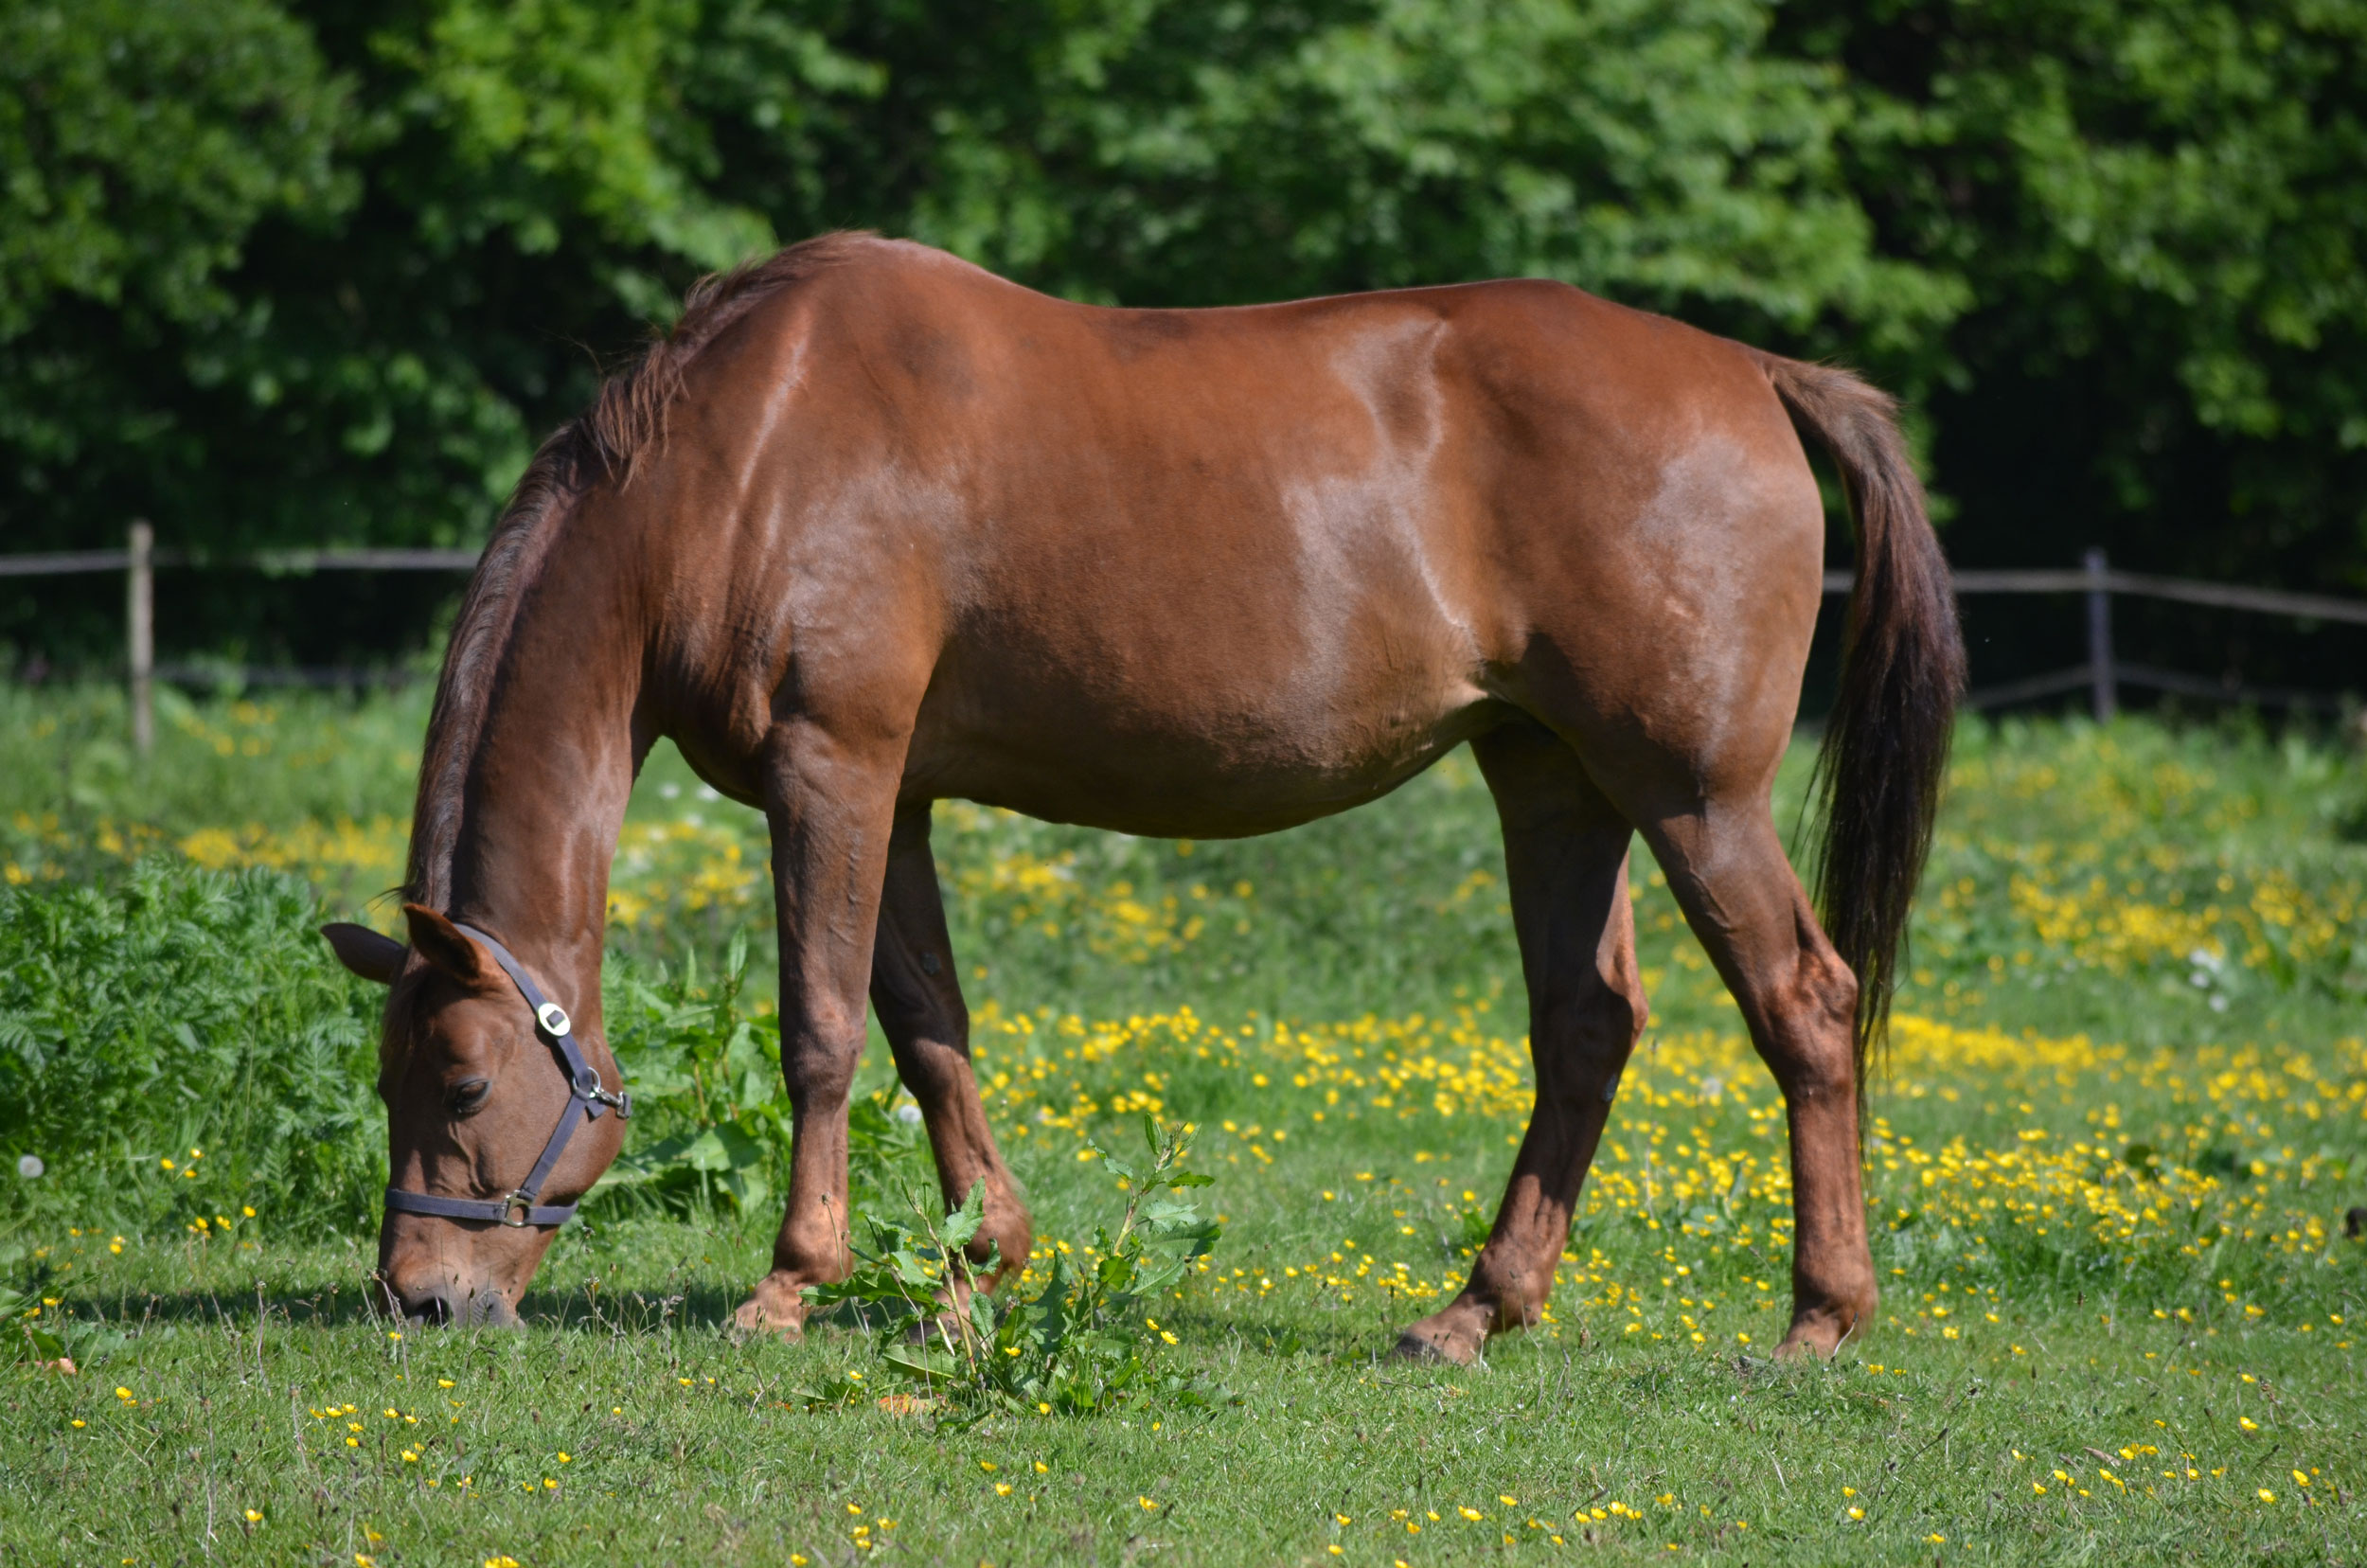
[{"x": 2124, "y": 1114}]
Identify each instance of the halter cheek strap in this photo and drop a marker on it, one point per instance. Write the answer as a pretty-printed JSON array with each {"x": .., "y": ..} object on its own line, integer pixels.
[{"x": 587, "y": 1101}]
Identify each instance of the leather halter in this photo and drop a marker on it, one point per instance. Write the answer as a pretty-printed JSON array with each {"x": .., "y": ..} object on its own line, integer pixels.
[{"x": 585, "y": 1095}]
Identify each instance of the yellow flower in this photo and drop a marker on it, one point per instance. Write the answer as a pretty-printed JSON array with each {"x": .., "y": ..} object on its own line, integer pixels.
[
  {"x": 2266, "y": 1496},
  {"x": 1002, "y": 1489},
  {"x": 1469, "y": 1513},
  {"x": 254, "y": 1517},
  {"x": 2246, "y": 1423},
  {"x": 1147, "y": 1503},
  {"x": 1936, "y": 1540},
  {"x": 1507, "y": 1500},
  {"x": 1856, "y": 1513}
]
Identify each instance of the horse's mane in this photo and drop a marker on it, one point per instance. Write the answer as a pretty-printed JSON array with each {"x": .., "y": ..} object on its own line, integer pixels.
[{"x": 625, "y": 423}]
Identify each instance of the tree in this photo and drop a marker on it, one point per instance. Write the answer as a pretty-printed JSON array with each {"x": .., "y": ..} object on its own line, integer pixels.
[{"x": 2159, "y": 208}]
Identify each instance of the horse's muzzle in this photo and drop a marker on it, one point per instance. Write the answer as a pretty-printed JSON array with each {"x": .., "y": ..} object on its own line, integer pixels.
[{"x": 450, "y": 1305}]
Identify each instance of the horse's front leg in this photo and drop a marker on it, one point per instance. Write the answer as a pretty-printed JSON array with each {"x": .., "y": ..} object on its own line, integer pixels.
[
  {"x": 831, "y": 804},
  {"x": 919, "y": 1004}
]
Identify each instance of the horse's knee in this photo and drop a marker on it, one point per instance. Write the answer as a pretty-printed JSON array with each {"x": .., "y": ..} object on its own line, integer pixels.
[{"x": 821, "y": 1073}]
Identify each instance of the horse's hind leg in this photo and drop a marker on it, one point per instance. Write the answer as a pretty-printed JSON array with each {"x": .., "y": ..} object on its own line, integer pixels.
[
  {"x": 1727, "y": 868},
  {"x": 919, "y": 1003},
  {"x": 1565, "y": 859}
]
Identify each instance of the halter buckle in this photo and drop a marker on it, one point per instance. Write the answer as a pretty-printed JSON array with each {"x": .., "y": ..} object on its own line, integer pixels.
[
  {"x": 522, "y": 1205},
  {"x": 553, "y": 1019}
]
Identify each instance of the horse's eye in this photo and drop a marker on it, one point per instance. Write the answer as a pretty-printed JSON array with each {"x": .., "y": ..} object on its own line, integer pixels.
[{"x": 466, "y": 1095}]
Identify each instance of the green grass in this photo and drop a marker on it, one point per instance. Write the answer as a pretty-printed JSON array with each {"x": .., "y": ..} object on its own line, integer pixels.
[{"x": 2135, "y": 992}]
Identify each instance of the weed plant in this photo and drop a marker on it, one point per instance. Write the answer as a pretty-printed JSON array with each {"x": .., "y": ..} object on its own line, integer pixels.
[{"x": 1084, "y": 1344}]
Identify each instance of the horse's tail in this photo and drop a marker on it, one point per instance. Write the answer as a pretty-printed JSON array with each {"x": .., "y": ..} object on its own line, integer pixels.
[{"x": 1902, "y": 670}]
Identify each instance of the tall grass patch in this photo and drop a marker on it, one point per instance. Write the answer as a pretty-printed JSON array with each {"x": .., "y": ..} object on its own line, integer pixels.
[{"x": 179, "y": 1051}]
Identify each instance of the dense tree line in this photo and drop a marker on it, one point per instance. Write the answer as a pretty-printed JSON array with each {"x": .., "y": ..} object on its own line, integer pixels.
[{"x": 294, "y": 271}]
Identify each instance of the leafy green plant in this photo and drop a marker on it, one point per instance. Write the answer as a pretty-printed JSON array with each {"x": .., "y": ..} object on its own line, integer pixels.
[
  {"x": 180, "y": 1047},
  {"x": 705, "y": 1063},
  {"x": 1087, "y": 1342}
]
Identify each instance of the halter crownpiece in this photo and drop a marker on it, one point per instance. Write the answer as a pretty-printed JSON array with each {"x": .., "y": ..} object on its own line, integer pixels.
[{"x": 586, "y": 1095}]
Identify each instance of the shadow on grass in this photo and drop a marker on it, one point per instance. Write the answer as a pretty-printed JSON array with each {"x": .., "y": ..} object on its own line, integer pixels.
[{"x": 694, "y": 1306}]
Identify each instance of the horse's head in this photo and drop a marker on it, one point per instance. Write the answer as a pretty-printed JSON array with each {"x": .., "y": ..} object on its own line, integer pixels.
[{"x": 473, "y": 1092}]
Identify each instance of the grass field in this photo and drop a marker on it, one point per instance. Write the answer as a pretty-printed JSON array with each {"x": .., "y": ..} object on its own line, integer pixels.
[{"x": 2124, "y": 1114}]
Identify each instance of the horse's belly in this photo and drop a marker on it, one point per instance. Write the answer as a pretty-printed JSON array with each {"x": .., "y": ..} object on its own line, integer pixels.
[{"x": 1214, "y": 748}]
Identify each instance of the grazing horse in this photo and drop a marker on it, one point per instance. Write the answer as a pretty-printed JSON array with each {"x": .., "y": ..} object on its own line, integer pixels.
[{"x": 872, "y": 527}]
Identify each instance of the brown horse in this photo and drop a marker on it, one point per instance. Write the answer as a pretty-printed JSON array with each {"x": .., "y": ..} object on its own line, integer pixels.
[{"x": 873, "y": 527}]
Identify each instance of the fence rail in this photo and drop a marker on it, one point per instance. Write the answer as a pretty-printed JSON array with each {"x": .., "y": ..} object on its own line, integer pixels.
[
  {"x": 291, "y": 562},
  {"x": 2272, "y": 601},
  {"x": 2102, "y": 675}
]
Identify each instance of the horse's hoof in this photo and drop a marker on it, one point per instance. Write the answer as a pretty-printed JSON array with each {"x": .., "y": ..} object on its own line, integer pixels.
[
  {"x": 754, "y": 1318},
  {"x": 1818, "y": 1333},
  {"x": 1423, "y": 1343}
]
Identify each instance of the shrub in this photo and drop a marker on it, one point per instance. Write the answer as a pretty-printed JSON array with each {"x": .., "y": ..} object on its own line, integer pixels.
[{"x": 180, "y": 1047}]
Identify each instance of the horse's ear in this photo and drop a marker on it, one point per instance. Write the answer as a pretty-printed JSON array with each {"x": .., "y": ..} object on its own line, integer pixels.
[
  {"x": 365, "y": 951},
  {"x": 443, "y": 944}
]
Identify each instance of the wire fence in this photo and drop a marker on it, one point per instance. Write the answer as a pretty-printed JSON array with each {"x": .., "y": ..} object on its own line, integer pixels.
[{"x": 2102, "y": 676}]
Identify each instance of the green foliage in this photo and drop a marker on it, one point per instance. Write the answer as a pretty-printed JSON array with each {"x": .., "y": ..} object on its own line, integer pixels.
[
  {"x": 2157, "y": 212},
  {"x": 1085, "y": 1343},
  {"x": 180, "y": 1048},
  {"x": 1199, "y": 154},
  {"x": 273, "y": 270},
  {"x": 144, "y": 143},
  {"x": 706, "y": 1076},
  {"x": 711, "y": 1112}
]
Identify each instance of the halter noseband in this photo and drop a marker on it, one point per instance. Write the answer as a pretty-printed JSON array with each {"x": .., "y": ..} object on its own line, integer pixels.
[{"x": 519, "y": 1209}]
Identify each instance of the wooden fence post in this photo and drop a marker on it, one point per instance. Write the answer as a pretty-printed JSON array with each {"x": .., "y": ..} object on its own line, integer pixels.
[
  {"x": 140, "y": 620},
  {"x": 2102, "y": 687}
]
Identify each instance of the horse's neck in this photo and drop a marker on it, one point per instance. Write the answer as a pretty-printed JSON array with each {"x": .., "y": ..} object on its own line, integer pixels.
[{"x": 545, "y": 799}]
